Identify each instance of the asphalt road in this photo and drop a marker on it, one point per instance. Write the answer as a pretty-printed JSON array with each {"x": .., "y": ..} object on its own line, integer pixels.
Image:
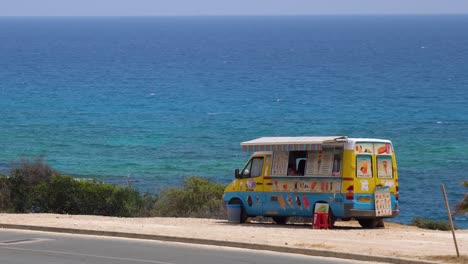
[{"x": 30, "y": 247}]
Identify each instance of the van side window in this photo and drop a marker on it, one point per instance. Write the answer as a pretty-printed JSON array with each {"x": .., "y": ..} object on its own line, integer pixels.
[{"x": 253, "y": 168}]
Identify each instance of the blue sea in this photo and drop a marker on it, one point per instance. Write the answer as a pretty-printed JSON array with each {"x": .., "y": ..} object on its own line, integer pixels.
[{"x": 153, "y": 100}]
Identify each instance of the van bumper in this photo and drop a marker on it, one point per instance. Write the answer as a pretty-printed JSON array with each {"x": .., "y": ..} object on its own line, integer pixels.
[{"x": 350, "y": 212}]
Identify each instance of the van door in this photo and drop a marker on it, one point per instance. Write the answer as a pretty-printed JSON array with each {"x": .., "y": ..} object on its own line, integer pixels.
[
  {"x": 384, "y": 164},
  {"x": 251, "y": 185},
  {"x": 374, "y": 167},
  {"x": 386, "y": 173},
  {"x": 365, "y": 175}
]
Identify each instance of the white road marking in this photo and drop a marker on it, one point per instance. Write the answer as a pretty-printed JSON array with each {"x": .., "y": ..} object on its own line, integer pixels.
[{"x": 87, "y": 255}]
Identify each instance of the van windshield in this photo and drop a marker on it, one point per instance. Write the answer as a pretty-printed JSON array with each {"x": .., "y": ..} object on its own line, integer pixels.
[{"x": 253, "y": 168}]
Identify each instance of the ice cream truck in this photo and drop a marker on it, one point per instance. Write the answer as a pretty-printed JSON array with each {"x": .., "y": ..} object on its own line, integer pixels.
[{"x": 356, "y": 178}]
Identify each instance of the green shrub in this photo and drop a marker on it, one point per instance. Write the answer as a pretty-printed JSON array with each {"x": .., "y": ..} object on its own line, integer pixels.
[
  {"x": 5, "y": 199},
  {"x": 23, "y": 178},
  {"x": 66, "y": 195},
  {"x": 198, "y": 198},
  {"x": 149, "y": 202},
  {"x": 33, "y": 172},
  {"x": 462, "y": 206},
  {"x": 124, "y": 201},
  {"x": 60, "y": 195},
  {"x": 33, "y": 186},
  {"x": 93, "y": 197},
  {"x": 430, "y": 224}
]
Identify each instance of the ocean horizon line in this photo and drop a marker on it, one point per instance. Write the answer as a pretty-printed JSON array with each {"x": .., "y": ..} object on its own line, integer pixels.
[{"x": 243, "y": 15}]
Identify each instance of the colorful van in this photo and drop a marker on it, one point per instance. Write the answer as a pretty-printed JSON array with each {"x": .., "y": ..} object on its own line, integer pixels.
[{"x": 287, "y": 176}]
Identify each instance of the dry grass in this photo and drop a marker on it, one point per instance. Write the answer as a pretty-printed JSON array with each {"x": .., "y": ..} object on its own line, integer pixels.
[
  {"x": 451, "y": 259},
  {"x": 316, "y": 245}
]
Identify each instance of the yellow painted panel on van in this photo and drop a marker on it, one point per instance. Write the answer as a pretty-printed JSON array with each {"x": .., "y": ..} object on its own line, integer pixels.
[
  {"x": 364, "y": 185},
  {"x": 348, "y": 169}
]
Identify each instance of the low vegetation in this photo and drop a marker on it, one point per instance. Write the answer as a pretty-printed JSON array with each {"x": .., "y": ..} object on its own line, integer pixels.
[
  {"x": 35, "y": 187},
  {"x": 198, "y": 198},
  {"x": 430, "y": 224},
  {"x": 462, "y": 206}
]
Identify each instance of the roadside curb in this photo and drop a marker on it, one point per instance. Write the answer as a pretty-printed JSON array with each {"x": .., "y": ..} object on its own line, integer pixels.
[{"x": 200, "y": 241}]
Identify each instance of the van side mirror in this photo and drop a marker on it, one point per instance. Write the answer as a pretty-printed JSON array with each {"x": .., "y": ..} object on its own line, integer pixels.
[{"x": 236, "y": 174}]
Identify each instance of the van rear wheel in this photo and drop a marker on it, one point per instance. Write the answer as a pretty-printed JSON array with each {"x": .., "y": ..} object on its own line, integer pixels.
[
  {"x": 280, "y": 220},
  {"x": 369, "y": 222}
]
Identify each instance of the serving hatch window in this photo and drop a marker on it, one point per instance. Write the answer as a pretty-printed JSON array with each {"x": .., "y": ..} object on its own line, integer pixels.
[
  {"x": 289, "y": 163},
  {"x": 319, "y": 163},
  {"x": 297, "y": 163},
  {"x": 280, "y": 163},
  {"x": 325, "y": 162}
]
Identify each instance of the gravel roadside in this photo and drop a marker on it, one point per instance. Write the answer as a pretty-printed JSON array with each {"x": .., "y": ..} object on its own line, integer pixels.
[{"x": 393, "y": 241}]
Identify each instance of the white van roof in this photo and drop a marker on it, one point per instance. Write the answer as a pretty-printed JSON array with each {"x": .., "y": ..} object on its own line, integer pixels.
[
  {"x": 301, "y": 143},
  {"x": 289, "y": 143}
]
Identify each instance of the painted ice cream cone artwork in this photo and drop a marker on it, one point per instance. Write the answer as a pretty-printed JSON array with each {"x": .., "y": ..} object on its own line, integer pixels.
[
  {"x": 281, "y": 202},
  {"x": 385, "y": 166},
  {"x": 364, "y": 167},
  {"x": 306, "y": 202}
]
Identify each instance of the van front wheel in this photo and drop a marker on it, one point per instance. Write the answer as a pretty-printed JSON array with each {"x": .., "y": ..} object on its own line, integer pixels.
[
  {"x": 280, "y": 220},
  {"x": 243, "y": 215}
]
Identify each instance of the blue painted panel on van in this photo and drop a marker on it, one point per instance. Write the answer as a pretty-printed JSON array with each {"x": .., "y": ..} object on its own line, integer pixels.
[
  {"x": 370, "y": 203},
  {"x": 286, "y": 204}
]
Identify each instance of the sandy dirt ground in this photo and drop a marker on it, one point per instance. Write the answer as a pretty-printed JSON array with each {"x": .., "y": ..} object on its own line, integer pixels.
[{"x": 392, "y": 241}]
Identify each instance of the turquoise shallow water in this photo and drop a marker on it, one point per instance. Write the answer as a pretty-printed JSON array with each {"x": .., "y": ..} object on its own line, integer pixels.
[{"x": 156, "y": 100}]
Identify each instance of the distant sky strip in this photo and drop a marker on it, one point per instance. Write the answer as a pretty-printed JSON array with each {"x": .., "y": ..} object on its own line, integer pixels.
[{"x": 282, "y": 147}]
